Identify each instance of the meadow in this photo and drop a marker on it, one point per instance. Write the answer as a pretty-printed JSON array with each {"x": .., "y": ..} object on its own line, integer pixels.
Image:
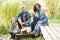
[{"x": 10, "y": 8}]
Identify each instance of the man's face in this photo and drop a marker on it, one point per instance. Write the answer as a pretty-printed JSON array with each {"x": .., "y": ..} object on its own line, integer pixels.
[{"x": 23, "y": 9}]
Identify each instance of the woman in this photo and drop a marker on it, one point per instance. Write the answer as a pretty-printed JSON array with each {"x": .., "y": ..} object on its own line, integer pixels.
[
  {"x": 42, "y": 19},
  {"x": 37, "y": 10}
]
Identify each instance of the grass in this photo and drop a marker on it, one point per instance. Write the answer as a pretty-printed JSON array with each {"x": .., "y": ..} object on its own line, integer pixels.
[
  {"x": 32, "y": 38},
  {"x": 4, "y": 31},
  {"x": 54, "y": 20}
]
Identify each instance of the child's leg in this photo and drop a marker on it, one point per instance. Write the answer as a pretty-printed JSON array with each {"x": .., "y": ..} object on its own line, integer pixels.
[{"x": 12, "y": 35}]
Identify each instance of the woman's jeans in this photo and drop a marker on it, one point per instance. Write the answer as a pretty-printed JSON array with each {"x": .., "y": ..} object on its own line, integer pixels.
[
  {"x": 33, "y": 24},
  {"x": 37, "y": 29}
]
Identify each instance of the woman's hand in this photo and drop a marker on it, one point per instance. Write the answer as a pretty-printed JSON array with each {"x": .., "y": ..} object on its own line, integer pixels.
[{"x": 38, "y": 22}]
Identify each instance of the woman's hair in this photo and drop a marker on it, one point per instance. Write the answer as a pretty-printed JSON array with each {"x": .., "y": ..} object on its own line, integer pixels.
[{"x": 35, "y": 7}]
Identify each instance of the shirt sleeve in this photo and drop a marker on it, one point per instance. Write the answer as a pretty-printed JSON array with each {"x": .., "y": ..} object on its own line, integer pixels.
[
  {"x": 18, "y": 16},
  {"x": 29, "y": 16},
  {"x": 45, "y": 19}
]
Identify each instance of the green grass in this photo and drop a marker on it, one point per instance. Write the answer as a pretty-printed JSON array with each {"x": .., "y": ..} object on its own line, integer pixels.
[
  {"x": 54, "y": 20},
  {"x": 32, "y": 38}
]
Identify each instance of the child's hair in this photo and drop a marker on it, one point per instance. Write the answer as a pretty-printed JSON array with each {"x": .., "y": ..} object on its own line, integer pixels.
[{"x": 13, "y": 20}]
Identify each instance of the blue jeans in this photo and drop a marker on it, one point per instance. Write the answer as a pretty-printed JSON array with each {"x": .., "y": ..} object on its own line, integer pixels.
[
  {"x": 33, "y": 24},
  {"x": 37, "y": 29}
]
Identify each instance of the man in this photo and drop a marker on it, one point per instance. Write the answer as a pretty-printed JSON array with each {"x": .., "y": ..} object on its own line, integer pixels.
[{"x": 24, "y": 15}]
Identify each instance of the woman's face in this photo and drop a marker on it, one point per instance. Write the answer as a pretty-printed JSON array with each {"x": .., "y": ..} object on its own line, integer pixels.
[{"x": 37, "y": 6}]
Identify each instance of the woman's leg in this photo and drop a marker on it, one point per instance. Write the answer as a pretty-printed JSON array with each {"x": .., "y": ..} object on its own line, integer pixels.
[
  {"x": 37, "y": 30},
  {"x": 32, "y": 26},
  {"x": 35, "y": 20}
]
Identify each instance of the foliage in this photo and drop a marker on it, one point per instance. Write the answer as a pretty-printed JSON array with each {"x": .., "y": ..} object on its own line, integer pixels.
[
  {"x": 10, "y": 8},
  {"x": 53, "y": 8}
]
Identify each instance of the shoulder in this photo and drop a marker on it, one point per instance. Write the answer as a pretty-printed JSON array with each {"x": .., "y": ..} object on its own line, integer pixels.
[
  {"x": 20, "y": 13},
  {"x": 27, "y": 13}
]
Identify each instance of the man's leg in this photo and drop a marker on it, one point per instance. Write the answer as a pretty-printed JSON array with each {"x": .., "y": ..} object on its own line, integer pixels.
[{"x": 20, "y": 24}]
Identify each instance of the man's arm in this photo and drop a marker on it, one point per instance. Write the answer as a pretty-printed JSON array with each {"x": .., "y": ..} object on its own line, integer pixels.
[
  {"x": 28, "y": 16},
  {"x": 17, "y": 17}
]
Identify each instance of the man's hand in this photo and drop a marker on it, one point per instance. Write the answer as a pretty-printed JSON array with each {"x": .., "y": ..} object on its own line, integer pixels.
[{"x": 24, "y": 22}]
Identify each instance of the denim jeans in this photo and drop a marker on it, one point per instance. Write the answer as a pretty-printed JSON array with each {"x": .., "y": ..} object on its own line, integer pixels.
[
  {"x": 33, "y": 24},
  {"x": 37, "y": 29}
]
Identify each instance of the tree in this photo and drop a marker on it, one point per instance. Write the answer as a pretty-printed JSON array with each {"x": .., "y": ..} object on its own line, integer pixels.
[{"x": 52, "y": 7}]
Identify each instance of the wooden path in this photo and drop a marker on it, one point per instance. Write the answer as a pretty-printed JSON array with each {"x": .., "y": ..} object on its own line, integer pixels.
[{"x": 51, "y": 32}]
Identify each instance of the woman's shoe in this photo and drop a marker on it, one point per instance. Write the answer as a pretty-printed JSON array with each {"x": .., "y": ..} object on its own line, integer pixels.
[
  {"x": 36, "y": 35},
  {"x": 31, "y": 33}
]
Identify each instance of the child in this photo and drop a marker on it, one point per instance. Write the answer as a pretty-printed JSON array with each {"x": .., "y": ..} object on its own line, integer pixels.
[{"x": 13, "y": 28}]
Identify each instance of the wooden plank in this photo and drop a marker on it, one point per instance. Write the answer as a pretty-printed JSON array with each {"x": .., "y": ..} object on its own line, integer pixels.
[
  {"x": 56, "y": 27},
  {"x": 7, "y": 38},
  {"x": 51, "y": 33},
  {"x": 45, "y": 33},
  {"x": 57, "y": 34}
]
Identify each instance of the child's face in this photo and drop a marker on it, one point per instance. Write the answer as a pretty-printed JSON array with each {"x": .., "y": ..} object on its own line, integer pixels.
[{"x": 13, "y": 22}]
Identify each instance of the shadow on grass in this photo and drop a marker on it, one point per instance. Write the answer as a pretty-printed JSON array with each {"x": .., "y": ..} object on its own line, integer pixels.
[{"x": 31, "y": 38}]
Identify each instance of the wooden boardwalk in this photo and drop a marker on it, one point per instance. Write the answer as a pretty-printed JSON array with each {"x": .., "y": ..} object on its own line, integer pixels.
[{"x": 51, "y": 32}]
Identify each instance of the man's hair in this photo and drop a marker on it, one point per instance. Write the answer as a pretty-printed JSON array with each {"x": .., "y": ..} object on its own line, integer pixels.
[{"x": 23, "y": 7}]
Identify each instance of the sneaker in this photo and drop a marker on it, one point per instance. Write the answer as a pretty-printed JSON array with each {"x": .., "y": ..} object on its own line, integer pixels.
[
  {"x": 31, "y": 33},
  {"x": 36, "y": 35}
]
